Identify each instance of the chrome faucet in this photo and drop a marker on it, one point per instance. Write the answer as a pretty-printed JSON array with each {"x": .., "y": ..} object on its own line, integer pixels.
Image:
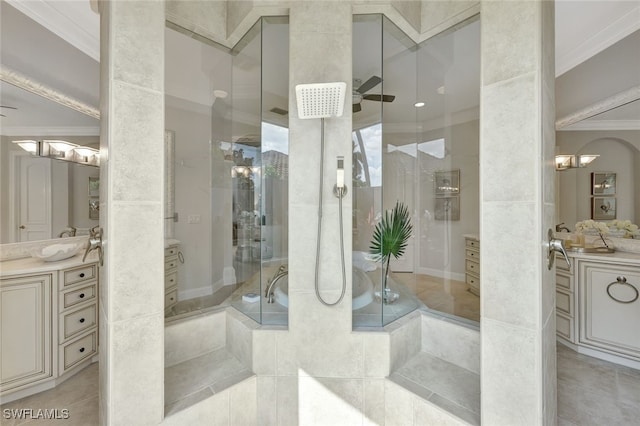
[
  {"x": 71, "y": 231},
  {"x": 560, "y": 228},
  {"x": 282, "y": 272}
]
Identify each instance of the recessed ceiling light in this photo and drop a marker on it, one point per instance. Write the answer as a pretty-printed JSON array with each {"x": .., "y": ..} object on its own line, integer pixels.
[
  {"x": 440, "y": 90},
  {"x": 418, "y": 104}
]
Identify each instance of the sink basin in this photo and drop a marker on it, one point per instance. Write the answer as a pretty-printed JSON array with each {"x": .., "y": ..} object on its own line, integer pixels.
[{"x": 58, "y": 251}]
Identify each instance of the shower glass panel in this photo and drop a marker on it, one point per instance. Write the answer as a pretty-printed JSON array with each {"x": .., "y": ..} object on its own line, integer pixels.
[
  {"x": 384, "y": 71},
  {"x": 399, "y": 165},
  {"x": 415, "y": 146},
  {"x": 448, "y": 169},
  {"x": 196, "y": 167},
  {"x": 259, "y": 152}
]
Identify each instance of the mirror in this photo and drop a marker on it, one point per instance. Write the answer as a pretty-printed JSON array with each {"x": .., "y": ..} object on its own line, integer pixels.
[
  {"x": 598, "y": 113},
  {"x": 41, "y": 197}
]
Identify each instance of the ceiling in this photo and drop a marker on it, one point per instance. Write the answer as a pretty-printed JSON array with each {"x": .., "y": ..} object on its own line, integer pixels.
[{"x": 57, "y": 45}]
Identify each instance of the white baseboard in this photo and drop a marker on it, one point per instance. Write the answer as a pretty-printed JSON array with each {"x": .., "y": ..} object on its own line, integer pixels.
[
  {"x": 441, "y": 274},
  {"x": 229, "y": 275},
  {"x": 195, "y": 292}
]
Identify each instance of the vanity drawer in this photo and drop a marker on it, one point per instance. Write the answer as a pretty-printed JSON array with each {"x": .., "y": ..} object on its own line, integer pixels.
[
  {"x": 564, "y": 326},
  {"x": 77, "y": 321},
  {"x": 75, "y": 352},
  {"x": 171, "y": 251},
  {"x": 472, "y": 254},
  {"x": 472, "y": 266},
  {"x": 171, "y": 298},
  {"x": 562, "y": 264},
  {"x": 474, "y": 284},
  {"x": 473, "y": 243},
  {"x": 74, "y": 297},
  {"x": 170, "y": 280},
  {"x": 77, "y": 275},
  {"x": 564, "y": 281},
  {"x": 170, "y": 263},
  {"x": 564, "y": 303}
]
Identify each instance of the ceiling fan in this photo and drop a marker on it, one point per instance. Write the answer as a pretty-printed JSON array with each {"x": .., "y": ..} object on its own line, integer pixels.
[
  {"x": 4, "y": 106},
  {"x": 360, "y": 93}
]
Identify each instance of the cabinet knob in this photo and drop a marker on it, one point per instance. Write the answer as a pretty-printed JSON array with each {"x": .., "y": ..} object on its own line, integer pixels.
[
  {"x": 81, "y": 295},
  {"x": 81, "y": 320},
  {"x": 82, "y": 275},
  {"x": 81, "y": 349}
]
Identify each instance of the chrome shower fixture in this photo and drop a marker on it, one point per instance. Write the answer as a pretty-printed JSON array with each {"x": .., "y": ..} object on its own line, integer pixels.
[{"x": 320, "y": 100}]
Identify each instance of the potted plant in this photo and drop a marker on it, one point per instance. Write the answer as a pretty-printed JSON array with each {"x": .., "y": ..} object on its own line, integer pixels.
[{"x": 390, "y": 238}]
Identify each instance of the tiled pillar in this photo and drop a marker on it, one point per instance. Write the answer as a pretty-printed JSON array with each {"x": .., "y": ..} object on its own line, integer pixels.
[
  {"x": 132, "y": 155},
  {"x": 320, "y": 51},
  {"x": 517, "y": 207}
]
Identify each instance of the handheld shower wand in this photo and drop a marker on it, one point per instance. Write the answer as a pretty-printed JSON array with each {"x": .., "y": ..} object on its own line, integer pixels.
[{"x": 324, "y": 100}]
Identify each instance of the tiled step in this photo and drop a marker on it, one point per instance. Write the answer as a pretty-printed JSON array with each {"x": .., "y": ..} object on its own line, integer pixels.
[
  {"x": 453, "y": 390},
  {"x": 197, "y": 379}
]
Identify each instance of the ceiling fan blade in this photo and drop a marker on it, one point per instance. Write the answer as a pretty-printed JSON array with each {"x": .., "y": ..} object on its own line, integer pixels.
[
  {"x": 369, "y": 84},
  {"x": 2, "y": 115},
  {"x": 383, "y": 98},
  {"x": 10, "y": 107},
  {"x": 356, "y": 108}
]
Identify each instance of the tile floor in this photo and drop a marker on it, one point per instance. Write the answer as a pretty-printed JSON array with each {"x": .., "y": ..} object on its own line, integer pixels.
[
  {"x": 596, "y": 392},
  {"x": 196, "y": 379},
  {"x": 591, "y": 392},
  {"x": 442, "y": 383},
  {"x": 442, "y": 294}
]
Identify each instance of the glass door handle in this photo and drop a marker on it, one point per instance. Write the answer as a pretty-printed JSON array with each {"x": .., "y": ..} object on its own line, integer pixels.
[{"x": 555, "y": 246}]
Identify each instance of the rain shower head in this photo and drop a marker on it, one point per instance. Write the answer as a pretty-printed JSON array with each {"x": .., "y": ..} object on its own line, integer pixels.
[{"x": 320, "y": 100}]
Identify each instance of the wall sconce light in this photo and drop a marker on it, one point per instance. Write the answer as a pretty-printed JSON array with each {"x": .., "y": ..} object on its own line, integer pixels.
[
  {"x": 32, "y": 147},
  {"x": 564, "y": 162},
  {"x": 61, "y": 150},
  {"x": 84, "y": 155}
]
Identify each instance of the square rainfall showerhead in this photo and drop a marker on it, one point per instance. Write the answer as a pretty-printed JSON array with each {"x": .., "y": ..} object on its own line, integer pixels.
[{"x": 320, "y": 100}]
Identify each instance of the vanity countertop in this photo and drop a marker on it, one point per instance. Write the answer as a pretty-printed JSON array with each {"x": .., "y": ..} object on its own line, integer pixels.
[
  {"x": 31, "y": 265},
  {"x": 618, "y": 256}
]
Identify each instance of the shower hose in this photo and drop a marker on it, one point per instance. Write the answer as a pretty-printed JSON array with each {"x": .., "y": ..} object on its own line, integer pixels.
[{"x": 340, "y": 194}]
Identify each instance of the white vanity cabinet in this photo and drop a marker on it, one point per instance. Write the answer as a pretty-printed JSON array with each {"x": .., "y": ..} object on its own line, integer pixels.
[
  {"x": 49, "y": 323},
  {"x": 171, "y": 276},
  {"x": 77, "y": 316},
  {"x": 565, "y": 301},
  {"x": 472, "y": 263},
  {"x": 26, "y": 323},
  {"x": 610, "y": 315},
  {"x": 597, "y": 306}
]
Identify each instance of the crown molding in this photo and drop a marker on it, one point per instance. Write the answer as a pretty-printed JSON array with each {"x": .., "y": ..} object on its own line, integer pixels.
[
  {"x": 50, "y": 131},
  {"x": 608, "y": 125},
  {"x": 604, "y": 105},
  {"x": 611, "y": 34},
  {"x": 64, "y": 26},
  {"x": 22, "y": 81}
]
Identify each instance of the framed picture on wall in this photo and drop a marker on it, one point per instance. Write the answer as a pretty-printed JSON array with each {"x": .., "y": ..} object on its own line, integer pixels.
[
  {"x": 94, "y": 209},
  {"x": 447, "y": 182},
  {"x": 447, "y": 208},
  {"x": 603, "y": 208},
  {"x": 603, "y": 183},
  {"x": 94, "y": 187}
]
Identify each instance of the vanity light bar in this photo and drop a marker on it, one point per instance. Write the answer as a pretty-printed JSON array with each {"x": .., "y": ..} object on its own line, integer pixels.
[
  {"x": 61, "y": 150},
  {"x": 32, "y": 147},
  {"x": 564, "y": 162}
]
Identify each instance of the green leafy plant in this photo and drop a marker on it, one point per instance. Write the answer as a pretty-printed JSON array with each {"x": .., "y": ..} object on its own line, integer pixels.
[{"x": 391, "y": 236}]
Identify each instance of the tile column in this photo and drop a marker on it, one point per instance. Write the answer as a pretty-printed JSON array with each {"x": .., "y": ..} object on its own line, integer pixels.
[
  {"x": 517, "y": 208},
  {"x": 132, "y": 157}
]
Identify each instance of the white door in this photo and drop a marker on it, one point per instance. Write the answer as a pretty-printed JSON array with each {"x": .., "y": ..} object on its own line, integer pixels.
[{"x": 34, "y": 198}]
